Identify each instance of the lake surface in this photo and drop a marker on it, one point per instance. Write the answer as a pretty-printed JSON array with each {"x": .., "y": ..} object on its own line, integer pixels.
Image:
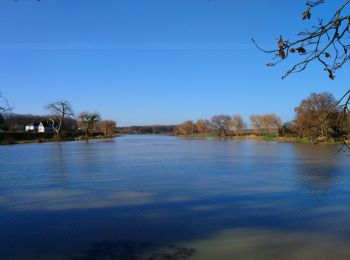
[{"x": 162, "y": 197}]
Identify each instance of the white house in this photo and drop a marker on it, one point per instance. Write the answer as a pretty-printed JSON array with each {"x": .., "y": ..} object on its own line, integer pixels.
[
  {"x": 33, "y": 127},
  {"x": 45, "y": 128},
  {"x": 42, "y": 127}
]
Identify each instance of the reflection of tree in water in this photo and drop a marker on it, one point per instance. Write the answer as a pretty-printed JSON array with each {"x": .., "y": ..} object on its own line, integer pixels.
[
  {"x": 316, "y": 168},
  {"x": 319, "y": 180},
  {"x": 132, "y": 250}
]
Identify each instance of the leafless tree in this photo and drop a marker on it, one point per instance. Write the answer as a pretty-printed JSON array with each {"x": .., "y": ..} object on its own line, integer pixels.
[
  {"x": 88, "y": 120},
  {"x": 276, "y": 123},
  {"x": 202, "y": 126},
  {"x": 59, "y": 111},
  {"x": 186, "y": 128},
  {"x": 237, "y": 124},
  {"x": 271, "y": 122},
  {"x": 4, "y": 105},
  {"x": 257, "y": 123},
  {"x": 108, "y": 127},
  {"x": 221, "y": 124}
]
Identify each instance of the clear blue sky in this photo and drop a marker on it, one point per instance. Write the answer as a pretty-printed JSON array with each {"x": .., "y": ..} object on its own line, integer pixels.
[{"x": 153, "y": 61}]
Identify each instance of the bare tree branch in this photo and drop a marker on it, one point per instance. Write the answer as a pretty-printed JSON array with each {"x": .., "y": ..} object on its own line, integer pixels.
[
  {"x": 59, "y": 110},
  {"x": 88, "y": 120},
  {"x": 4, "y": 105},
  {"x": 327, "y": 43}
]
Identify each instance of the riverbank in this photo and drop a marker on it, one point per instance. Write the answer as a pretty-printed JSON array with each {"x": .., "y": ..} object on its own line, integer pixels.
[
  {"x": 44, "y": 138},
  {"x": 7, "y": 138},
  {"x": 279, "y": 139}
]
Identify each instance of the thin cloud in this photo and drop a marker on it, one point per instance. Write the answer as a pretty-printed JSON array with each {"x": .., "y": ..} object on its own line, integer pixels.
[{"x": 148, "y": 46}]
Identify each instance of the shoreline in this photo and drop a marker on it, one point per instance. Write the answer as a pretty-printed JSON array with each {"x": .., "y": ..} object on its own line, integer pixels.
[
  {"x": 52, "y": 140},
  {"x": 281, "y": 139}
]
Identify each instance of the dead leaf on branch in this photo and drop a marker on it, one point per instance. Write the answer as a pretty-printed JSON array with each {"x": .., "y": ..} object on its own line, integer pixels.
[
  {"x": 301, "y": 50},
  {"x": 331, "y": 76},
  {"x": 306, "y": 15},
  {"x": 282, "y": 54}
]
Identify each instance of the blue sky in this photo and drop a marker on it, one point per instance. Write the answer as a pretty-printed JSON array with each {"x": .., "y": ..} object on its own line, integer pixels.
[{"x": 154, "y": 61}]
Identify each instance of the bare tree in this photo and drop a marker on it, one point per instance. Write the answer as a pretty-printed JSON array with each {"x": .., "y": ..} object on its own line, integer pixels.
[
  {"x": 266, "y": 123},
  {"x": 108, "y": 127},
  {"x": 221, "y": 123},
  {"x": 4, "y": 104},
  {"x": 237, "y": 124},
  {"x": 59, "y": 111},
  {"x": 276, "y": 123},
  {"x": 186, "y": 128},
  {"x": 88, "y": 120},
  {"x": 202, "y": 126},
  {"x": 271, "y": 122},
  {"x": 257, "y": 123}
]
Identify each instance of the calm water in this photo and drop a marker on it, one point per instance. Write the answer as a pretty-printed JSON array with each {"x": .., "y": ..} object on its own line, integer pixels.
[{"x": 153, "y": 197}]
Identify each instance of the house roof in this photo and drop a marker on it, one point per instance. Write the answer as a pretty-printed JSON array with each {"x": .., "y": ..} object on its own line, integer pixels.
[
  {"x": 46, "y": 124},
  {"x": 33, "y": 124}
]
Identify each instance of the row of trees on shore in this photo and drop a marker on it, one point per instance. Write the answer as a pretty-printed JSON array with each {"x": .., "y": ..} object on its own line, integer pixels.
[
  {"x": 317, "y": 116},
  {"x": 61, "y": 118},
  {"x": 224, "y": 125}
]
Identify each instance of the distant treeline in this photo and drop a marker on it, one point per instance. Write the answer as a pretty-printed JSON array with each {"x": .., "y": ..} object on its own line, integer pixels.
[
  {"x": 317, "y": 116},
  {"x": 17, "y": 122},
  {"x": 12, "y": 129},
  {"x": 153, "y": 129}
]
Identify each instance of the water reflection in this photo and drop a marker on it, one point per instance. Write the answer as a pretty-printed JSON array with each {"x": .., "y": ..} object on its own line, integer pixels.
[
  {"x": 270, "y": 244},
  {"x": 169, "y": 191},
  {"x": 133, "y": 250},
  {"x": 318, "y": 171}
]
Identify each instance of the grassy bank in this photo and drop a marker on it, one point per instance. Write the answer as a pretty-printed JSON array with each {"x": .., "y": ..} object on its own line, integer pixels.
[
  {"x": 8, "y": 138},
  {"x": 281, "y": 139}
]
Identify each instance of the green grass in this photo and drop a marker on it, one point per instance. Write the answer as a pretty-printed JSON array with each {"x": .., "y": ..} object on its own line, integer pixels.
[{"x": 272, "y": 138}]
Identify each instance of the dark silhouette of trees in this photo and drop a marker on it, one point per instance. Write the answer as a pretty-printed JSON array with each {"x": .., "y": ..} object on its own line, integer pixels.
[
  {"x": 2, "y": 122},
  {"x": 150, "y": 129},
  {"x": 17, "y": 122}
]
